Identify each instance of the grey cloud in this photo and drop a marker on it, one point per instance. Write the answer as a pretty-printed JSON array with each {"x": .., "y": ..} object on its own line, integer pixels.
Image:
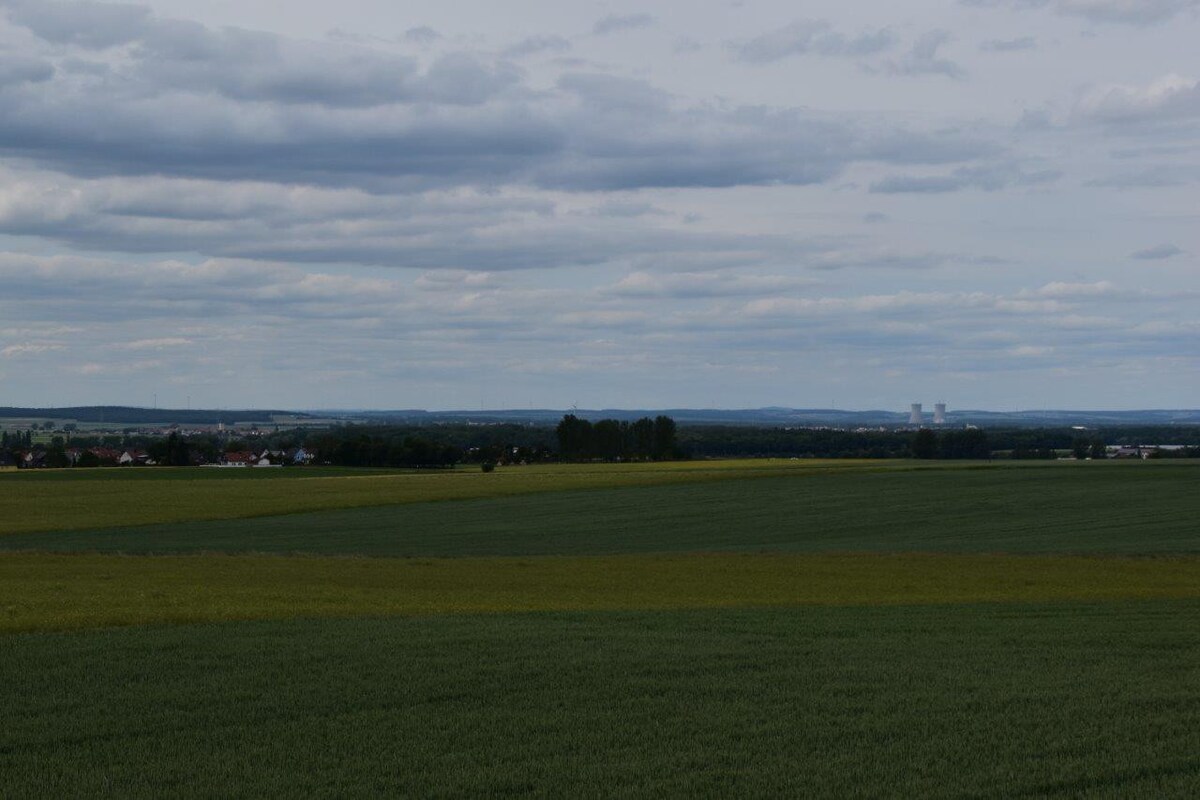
[
  {"x": 1019, "y": 44},
  {"x": 187, "y": 101},
  {"x": 610, "y": 93},
  {"x": 248, "y": 66},
  {"x": 878, "y": 259},
  {"x": 1133, "y": 12},
  {"x": 533, "y": 45},
  {"x": 451, "y": 230},
  {"x": 642, "y": 143},
  {"x": 461, "y": 79},
  {"x": 695, "y": 285},
  {"x": 923, "y": 59},
  {"x": 422, "y": 35},
  {"x": 67, "y": 287},
  {"x": 925, "y": 184},
  {"x": 80, "y": 22},
  {"x": 171, "y": 55},
  {"x": 455, "y": 280},
  {"x": 621, "y": 22},
  {"x": 1157, "y": 253},
  {"x": 626, "y": 210},
  {"x": 15, "y": 70},
  {"x": 1034, "y": 119},
  {"x": 389, "y": 330},
  {"x": 988, "y": 178},
  {"x": 810, "y": 36},
  {"x": 1154, "y": 176}
]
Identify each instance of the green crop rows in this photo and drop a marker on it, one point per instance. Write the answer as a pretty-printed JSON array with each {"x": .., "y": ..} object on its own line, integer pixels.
[{"x": 740, "y": 628}]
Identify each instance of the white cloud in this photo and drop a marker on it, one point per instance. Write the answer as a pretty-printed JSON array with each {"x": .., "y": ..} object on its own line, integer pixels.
[
  {"x": 1133, "y": 12},
  {"x": 614, "y": 23},
  {"x": 1016, "y": 45},
  {"x": 1064, "y": 290},
  {"x": 28, "y": 349},
  {"x": 812, "y": 36},
  {"x": 154, "y": 344},
  {"x": 1169, "y": 96},
  {"x": 1030, "y": 351}
]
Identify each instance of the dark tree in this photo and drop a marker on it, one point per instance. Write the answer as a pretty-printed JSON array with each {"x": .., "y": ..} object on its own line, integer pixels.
[
  {"x": 664, "y": 438},
  {"x": 608, "y": 440},
  {"x": 177, "y": 454},
  {"x": 971, "y": 443},
  {"x": 56, "y": 454},
  {"x": 574, "y": 437},
  {"x": 641, "y": 434},
  {"x": 924, "y": 444}
]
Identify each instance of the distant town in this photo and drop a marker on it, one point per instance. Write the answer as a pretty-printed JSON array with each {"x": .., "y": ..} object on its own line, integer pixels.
[{"x": 113, "y": 436}]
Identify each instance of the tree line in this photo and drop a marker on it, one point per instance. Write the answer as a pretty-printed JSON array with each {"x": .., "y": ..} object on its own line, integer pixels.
[
  {"x": 577, "y": 439},
  {"x": 971, "y": 443},
  {"x": 645, "y": 439}
]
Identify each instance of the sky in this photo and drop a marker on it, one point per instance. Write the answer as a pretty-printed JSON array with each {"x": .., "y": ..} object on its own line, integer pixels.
[{"x": 466, "y": 204}]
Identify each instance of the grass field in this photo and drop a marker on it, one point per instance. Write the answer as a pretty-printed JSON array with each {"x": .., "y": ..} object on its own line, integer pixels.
[{"x": 714, "y": 628}]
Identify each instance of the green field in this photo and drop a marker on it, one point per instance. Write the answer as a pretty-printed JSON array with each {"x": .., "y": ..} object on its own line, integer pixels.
[
  {"x": 88, "y": 499},
  {"x": 1120, "y": 508},
  {"x": 1059, "y": 700},
  {"x": 713, "y": 628}
]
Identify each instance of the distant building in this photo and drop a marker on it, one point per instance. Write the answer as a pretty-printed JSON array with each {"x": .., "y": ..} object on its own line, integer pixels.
[{"x": 134, "y": 458}]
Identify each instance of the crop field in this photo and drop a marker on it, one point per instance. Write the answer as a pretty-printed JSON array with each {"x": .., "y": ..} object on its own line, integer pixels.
[
  {"x": 710, "y": 628},
  {"x": 87, "y": 499},
  {"x": 1134, "y": 509}
]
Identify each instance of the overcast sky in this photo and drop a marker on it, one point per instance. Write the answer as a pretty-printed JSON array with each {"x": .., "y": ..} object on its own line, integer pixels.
[{"x": 370, "y": 204}]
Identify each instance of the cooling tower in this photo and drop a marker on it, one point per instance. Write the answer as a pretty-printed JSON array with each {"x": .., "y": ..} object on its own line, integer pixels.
[
  {"x": 915, "y": 418},
  {"x": 939, "y": 414}
]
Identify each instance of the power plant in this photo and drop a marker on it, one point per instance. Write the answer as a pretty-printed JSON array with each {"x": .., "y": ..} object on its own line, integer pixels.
[{"x": 917, "y": 417}]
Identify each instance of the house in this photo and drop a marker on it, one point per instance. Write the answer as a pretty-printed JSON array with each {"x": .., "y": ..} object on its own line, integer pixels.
[
  {"x": 274, "y": 456},
  {"x": 106, "y": 455},
  {"x": 240, "y": 458},
  {"x": 302, "y": 456},
  {"x": 135, "y": 458}
]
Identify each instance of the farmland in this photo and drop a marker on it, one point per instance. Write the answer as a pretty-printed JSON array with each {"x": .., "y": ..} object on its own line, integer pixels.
[
  {"x": 87, "y": 499},
  {"x": 827, "y": 628},
  {"x": 830, "y": 507}
]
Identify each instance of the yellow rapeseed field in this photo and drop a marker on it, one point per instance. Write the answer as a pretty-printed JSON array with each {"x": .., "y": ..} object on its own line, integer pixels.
[{"x": 49, "y": 592}]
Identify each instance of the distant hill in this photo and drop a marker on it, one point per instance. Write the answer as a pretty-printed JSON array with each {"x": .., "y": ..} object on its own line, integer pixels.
[
  {"x": 778, "y": 416},
  {"x": 131, "y": 415},
  {"x": 772, "y": 416}
]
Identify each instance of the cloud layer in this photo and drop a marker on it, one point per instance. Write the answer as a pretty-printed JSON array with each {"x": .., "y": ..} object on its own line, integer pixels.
[{"x": 623, "y": 210}]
